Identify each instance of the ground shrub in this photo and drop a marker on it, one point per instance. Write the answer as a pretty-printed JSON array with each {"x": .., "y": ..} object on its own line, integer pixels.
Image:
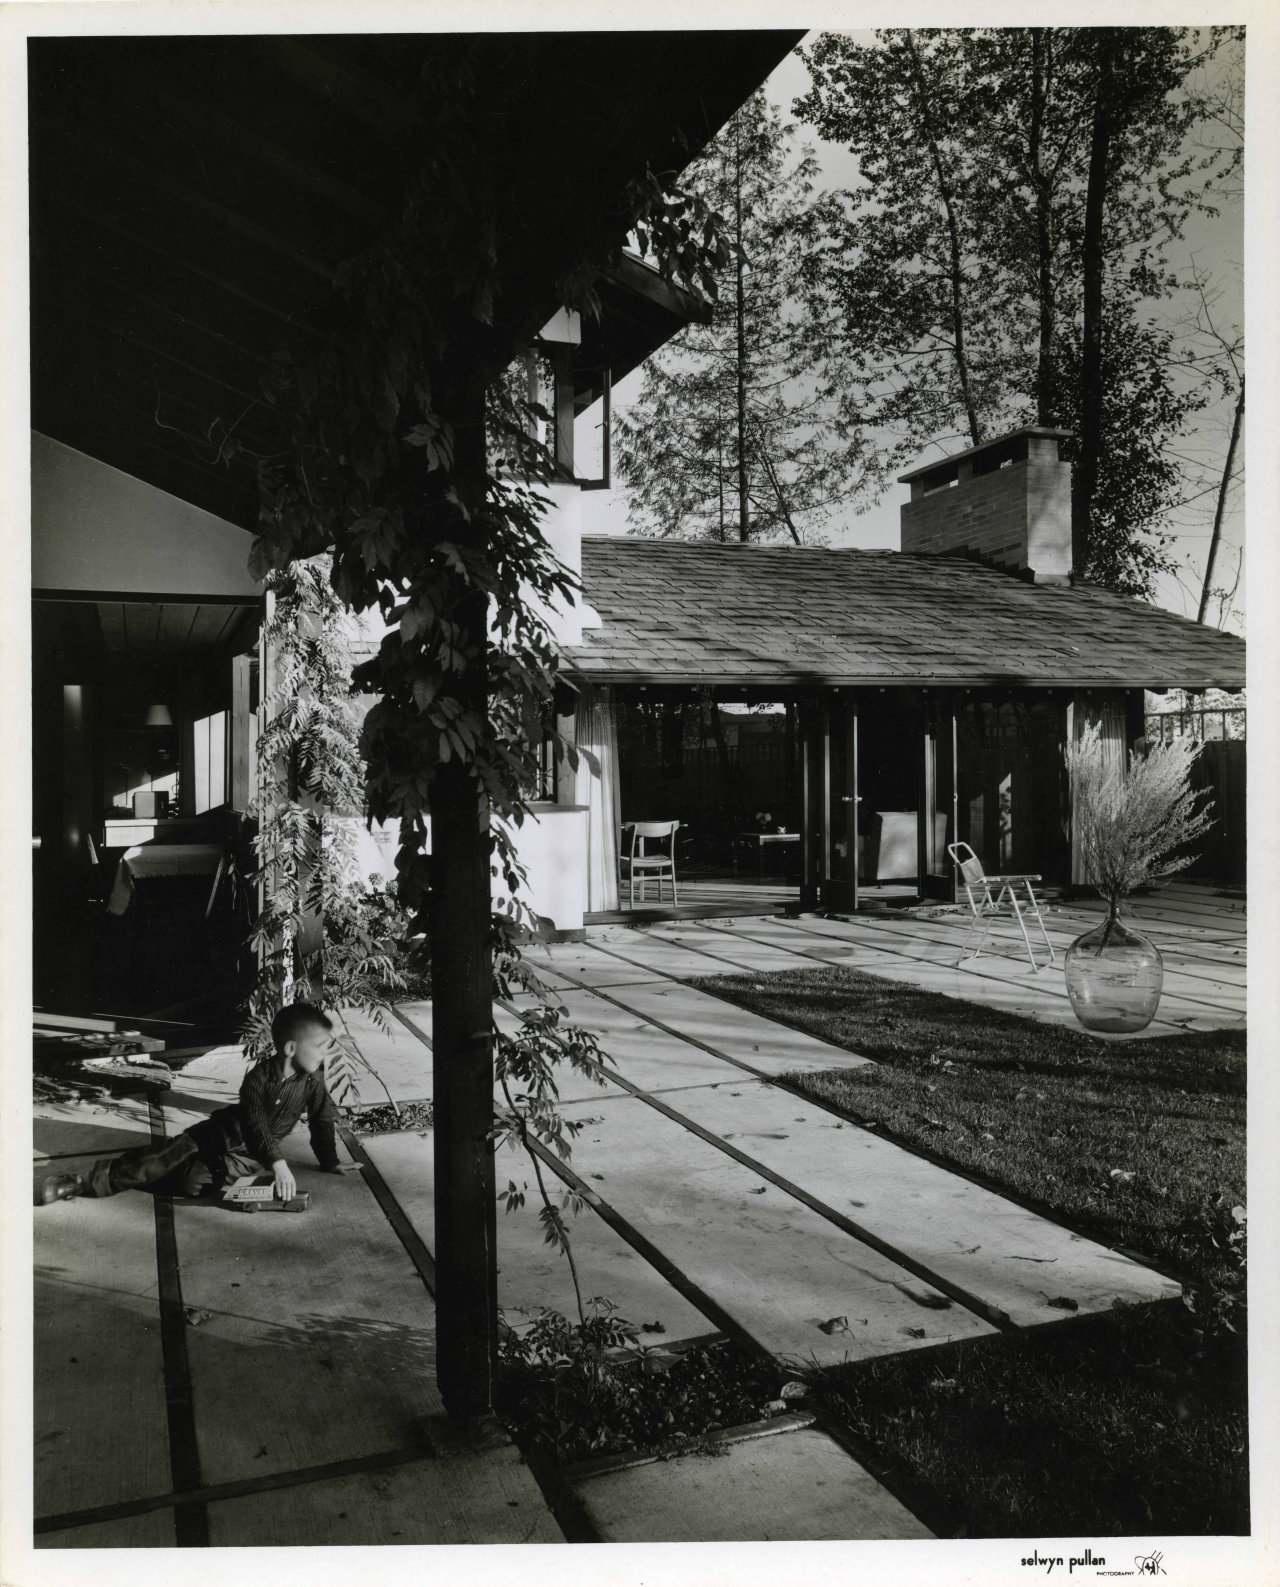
[{"x": 573, "y": 1391}]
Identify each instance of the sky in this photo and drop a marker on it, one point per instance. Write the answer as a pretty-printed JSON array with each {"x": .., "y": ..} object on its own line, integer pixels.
[{"x": 1215, "y": 245}]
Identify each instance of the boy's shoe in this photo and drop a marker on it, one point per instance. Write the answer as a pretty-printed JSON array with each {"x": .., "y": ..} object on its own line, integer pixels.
[{"x": 61, "y": 1187}]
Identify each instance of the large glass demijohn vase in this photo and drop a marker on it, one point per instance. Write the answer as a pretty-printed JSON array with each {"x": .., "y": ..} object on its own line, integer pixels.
[{"x": 1114, "y": 977}]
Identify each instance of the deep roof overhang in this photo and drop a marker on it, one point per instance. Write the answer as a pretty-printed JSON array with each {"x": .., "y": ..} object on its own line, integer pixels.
[{"x": 191, "y": 198}]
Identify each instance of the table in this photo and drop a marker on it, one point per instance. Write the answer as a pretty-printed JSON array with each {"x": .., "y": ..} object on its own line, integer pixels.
[
  {"x": 760, "y": 839},
  {"x": 123, "y": 832},
  {"x": 161, "y": 859}
]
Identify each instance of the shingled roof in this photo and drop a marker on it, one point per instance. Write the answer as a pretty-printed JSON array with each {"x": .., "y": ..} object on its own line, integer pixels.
[{"x": 701, "y": 612}]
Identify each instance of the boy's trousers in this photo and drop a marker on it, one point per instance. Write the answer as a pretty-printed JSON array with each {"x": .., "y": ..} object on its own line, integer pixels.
[{"x": 174, "y": 1167}]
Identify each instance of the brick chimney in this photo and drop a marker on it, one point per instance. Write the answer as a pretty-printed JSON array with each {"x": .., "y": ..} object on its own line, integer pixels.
[{"x": 1007, "y": 501}]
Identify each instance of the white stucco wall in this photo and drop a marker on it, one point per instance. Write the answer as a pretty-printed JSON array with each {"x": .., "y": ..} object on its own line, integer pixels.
[
  {"x": 552, "y": 846},
  {"x": 95, "y": 528}
]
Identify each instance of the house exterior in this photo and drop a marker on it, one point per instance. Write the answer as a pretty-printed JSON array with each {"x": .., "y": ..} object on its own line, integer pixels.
[{"x": 935, "y": 687}]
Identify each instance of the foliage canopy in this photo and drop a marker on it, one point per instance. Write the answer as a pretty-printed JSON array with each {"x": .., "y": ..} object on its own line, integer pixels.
[{"x": 1005, "y": 257}]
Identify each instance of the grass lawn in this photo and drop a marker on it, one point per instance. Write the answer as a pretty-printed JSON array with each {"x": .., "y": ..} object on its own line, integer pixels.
[{"x": 1135, "y": 1422}]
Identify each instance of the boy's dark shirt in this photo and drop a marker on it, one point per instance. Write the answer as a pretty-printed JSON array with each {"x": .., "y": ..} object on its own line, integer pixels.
[{"x": 273, "y": 1097}]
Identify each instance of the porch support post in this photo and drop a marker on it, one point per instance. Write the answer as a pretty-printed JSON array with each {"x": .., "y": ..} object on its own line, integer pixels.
[
  {"x": 240, "y": 750},
  {"x": 811, "y": 797},
  {"x": 462, "y": 1013},
  {"x": 1135, "y": 711}
]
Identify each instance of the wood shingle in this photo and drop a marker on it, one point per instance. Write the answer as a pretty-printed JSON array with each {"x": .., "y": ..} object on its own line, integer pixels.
[{"x": 702, "y": 612}]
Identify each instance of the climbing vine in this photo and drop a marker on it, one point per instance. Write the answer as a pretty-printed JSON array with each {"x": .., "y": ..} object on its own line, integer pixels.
[
  {"x": 406, "y": 457},
  {"x": 318, "y": 933}
]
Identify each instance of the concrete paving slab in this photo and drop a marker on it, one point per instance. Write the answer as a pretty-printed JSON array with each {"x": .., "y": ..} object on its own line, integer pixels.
[
  {"x": 642, "y": 1053},
  {"x": 97, "y": 1359},
  {"x": 152, "y": 1529},
  {"x": 741, "y": 951},
  {"x": 585, "y": 964},
  {"x": 89, "y": 1128},
  {"x": 660, "y": 955},
  {"x": 574, "y": 1087},
  {"x": 776, "y": 1266},
  {"x": 1014, "y": 1260},
  {"x": 401, "y": 1057},
  {"x": 531, "y": 1274},
  {"x": 488, "y": 1498},
  {"x": 789, "y": 1487},
  {"x": 763, "y": 1044},
  {"x": 311, "y": 1335}
]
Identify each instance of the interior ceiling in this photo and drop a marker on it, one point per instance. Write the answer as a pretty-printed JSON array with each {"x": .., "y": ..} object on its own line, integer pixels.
[
  {"x": 146, "y": 631},
  {"x": 191, "y": 198},
  {"x": 127, "y": 634}
]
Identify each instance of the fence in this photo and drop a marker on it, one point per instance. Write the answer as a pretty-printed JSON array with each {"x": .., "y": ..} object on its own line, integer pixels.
[{"x": 1208, "y": 723}]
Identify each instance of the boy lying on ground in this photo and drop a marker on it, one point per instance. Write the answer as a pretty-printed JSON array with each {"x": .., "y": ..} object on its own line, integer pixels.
[{"x": 237, "y": 1140}]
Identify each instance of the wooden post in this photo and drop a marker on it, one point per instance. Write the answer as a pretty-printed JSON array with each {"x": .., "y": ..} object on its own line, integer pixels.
[
  {"x": 811, "y": 797},
  {"x": 240, "y": 739},
  {"x": 462, "y": 1017}
]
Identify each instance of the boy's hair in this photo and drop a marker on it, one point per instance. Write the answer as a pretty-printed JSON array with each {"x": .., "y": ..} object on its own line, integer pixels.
[{"x": 293, "y": 1019}]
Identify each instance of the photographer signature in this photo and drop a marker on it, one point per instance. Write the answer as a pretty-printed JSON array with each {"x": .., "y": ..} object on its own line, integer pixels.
[{"x": 1149, "y": 1564}]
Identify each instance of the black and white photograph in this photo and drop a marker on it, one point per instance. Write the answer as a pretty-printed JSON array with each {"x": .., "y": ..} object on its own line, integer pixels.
[{"x": 627, "y": 636}]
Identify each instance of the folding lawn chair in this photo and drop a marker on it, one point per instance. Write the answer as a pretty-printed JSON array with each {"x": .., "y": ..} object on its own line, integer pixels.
[{"x": 986, "y": 906}]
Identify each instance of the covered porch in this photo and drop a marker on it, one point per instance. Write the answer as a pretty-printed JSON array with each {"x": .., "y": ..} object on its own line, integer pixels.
[{"x": 833, "y": 798}]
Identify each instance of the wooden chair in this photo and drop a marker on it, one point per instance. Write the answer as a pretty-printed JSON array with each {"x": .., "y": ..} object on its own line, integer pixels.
[
  {"x": 1014, "y": 896},
  {"x": 643, "y": 864}
]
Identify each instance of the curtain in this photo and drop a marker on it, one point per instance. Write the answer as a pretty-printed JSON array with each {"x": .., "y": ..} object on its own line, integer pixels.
[
  {"x": 596, "y": 787},
  {"x": 1106, "y": 712}
]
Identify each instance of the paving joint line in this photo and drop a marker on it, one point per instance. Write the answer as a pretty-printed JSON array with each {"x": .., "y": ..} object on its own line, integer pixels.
[
  {"x": 190, "y": 1516},
  {"x": 917, "y": 959},
  {"x": 237, "y": 1488},
  {"x": 956, "y": 1292},
  {"x": 670, "y": 1030},
  {"x": 921, "y": 958},
  {"x": 411, "y": 1025},
  {"x": 737, "y": 964},
  {"x": 912, "y": 1148},
  {"x": 921, "y": 934},
  {"x": 662, "y": 1264},
  {"x": 690, "y": 1288},
  {"x": 415, "y": 1247},
  {"x": 972, "y": 1176}
]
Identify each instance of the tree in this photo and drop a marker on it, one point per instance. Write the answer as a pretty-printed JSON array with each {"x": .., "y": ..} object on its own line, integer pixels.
[
  {"x": 738, "y": 432},
  {"x": 1005, "y": 257}
]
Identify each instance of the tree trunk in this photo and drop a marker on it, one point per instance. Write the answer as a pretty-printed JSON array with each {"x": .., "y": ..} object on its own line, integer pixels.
[
  {"x": 1223, "y": 487},
  {"x": 744, "y": 503},
  {"x": 720, "y": 458},
  {"x": 1041, "y": 74},
  {"x": 956, "y": 256},
  {"x": 778, "y": 492},
  {"x": 1091, "y": 384}
]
